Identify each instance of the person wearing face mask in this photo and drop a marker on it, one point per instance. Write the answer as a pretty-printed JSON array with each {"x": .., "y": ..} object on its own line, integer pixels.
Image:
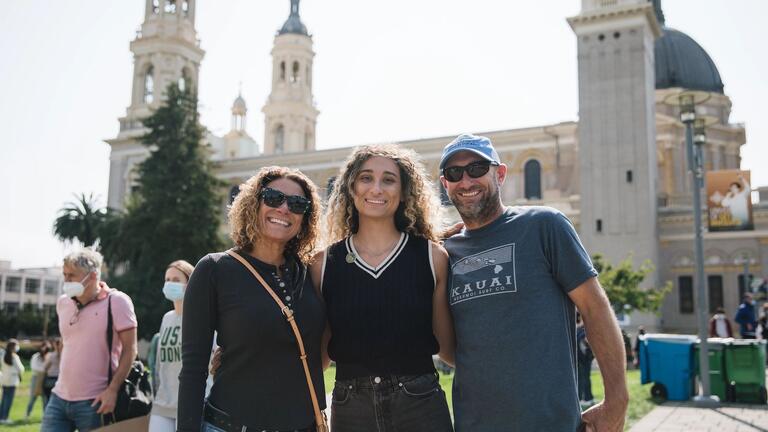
[
  {"x": 262, "y": 382},
  {"x": 83, "y": 391},
  {"x": 11, "y": 369},
  {"x": 167, "y": 357}
]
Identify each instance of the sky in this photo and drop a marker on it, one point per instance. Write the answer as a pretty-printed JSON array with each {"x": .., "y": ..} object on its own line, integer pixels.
[{"x": 384, "y": 71}]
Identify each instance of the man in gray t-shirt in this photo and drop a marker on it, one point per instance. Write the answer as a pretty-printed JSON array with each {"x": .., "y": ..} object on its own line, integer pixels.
[{"x": 516, "y": 274}]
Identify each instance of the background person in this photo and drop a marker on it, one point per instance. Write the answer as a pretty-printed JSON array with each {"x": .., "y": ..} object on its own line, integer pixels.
[
  {"x": 51, "y": 368},
  {"x": 83, "y": 392},
  {"x": 260, "y": 383},
  {"x": 720, "y": 325},
  {"x": 636, "y": 347},
  {"x": 12, "y": 370},
  {"x": 584, "y": 357},
  {"x": 167, "y": 364},
  {"x": 745, "y": 317},
  {"x": 384, "y": 284},
  {"x": 37, "y": 364}
]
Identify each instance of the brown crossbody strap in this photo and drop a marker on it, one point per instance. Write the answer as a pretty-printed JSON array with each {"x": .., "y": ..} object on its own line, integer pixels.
[{"x": 322, "y": 425}]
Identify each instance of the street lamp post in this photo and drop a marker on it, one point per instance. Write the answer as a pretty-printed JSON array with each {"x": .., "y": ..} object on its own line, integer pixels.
[{"x": 687, "y": 101}]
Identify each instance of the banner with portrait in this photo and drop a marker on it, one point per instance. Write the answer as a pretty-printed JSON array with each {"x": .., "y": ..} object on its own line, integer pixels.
[{"x": 729, "y": 200}]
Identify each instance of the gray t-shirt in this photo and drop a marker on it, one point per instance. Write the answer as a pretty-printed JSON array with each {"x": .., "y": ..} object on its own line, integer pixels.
[{"x": 515, "y": 324}]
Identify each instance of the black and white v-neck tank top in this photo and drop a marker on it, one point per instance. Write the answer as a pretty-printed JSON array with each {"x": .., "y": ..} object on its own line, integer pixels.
[{"x": 380, "y": 317}]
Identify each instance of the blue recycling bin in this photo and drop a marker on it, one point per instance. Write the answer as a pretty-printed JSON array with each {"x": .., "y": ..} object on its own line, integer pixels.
[{"x": 667, "y": 362}]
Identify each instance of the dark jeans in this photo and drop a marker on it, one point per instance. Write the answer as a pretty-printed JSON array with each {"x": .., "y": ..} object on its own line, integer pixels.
[
  {"x": 390, "y": 404},
  {"x": 6, "y": 402},
  {"x": 585, "y": 380}
]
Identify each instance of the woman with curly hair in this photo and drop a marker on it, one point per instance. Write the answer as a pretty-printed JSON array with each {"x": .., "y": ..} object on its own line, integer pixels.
[
  {"x": 384, "y": 283},
  {"x": 261, "y": 382}
]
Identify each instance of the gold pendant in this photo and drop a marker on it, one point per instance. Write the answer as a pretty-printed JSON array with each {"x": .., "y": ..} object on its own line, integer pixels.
[{"x": 350, "y": 258}]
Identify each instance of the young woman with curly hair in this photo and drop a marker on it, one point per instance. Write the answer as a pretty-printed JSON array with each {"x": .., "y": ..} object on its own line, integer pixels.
[
  {"x": 260, "y": 383},
  {"x": 384, "y": 279}
]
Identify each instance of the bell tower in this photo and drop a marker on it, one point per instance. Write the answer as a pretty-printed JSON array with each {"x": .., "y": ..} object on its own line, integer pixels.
[
  {"x": 166, "y": 50},
  {"x": 290, "y": 115},
  {"x": 618, "y": 168}
]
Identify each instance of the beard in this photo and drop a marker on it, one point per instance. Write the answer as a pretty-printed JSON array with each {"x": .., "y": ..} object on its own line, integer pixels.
[{"x": 480, "y": 212}]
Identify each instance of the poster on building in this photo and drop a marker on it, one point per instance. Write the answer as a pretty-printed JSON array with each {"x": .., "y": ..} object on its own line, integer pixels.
[{"x": 729, "y": 202}]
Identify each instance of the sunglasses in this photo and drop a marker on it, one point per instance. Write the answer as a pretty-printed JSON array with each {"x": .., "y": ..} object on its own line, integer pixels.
[
  {"x": 274, "y": 198},
  {"x": 474, "y": 170}
]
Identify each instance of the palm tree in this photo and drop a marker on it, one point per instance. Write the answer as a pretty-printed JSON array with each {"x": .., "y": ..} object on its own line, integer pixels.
[{"x": 80, "y": 220}]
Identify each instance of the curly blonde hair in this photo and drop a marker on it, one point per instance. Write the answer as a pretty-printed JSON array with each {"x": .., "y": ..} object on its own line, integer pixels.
[
  {"x": 245, "y": 227},
  {"x": 418, "y": 214}
]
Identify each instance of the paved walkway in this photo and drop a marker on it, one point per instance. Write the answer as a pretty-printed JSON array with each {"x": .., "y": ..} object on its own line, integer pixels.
[{"x": 682, "y": 416}]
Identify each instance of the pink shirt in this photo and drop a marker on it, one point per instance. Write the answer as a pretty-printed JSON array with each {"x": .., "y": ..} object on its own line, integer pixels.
[{"x": 84, "y": 368}]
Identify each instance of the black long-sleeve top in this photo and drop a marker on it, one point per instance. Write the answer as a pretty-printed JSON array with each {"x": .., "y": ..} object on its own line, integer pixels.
[{"x": 261, "y": 382}]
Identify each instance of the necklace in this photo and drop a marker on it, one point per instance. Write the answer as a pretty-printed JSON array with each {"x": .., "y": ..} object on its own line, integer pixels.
[{"x": 350, "y": 258}]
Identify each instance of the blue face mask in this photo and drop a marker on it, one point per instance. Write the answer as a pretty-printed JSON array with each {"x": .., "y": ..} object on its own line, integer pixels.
[{"x": 173, "y": 290}]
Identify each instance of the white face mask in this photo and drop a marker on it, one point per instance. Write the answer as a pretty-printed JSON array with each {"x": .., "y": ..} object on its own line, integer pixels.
[{"x": 74, "y": 289}]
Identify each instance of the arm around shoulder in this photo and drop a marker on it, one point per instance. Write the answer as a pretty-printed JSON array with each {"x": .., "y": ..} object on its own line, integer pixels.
[
  {"x": 442, "y": 320},
  {"x": 316, "y": 269}
]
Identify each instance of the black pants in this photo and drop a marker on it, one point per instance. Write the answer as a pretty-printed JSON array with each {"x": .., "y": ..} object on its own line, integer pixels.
[{"x": 412, "y": 403}]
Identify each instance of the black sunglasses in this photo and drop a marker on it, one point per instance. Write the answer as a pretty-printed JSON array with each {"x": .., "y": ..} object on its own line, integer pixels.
[
  {"x": 474, "y": 170},
  {"x": 274, "y": 198}
]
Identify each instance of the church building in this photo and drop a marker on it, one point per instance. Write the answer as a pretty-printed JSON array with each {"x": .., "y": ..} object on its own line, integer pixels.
[{"x": 619, "y": 172}]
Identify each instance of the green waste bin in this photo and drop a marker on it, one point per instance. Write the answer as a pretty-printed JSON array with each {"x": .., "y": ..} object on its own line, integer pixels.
[
  {"x": 717, "y": 380},
  {"x": 745, "y": 371}
]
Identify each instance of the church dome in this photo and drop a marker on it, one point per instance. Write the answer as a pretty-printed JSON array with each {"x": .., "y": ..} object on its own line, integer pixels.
[
  {"x": 293, "y": 24},
  {"x": 681, "y": 62},
  {"x": 238, "y": 106}
]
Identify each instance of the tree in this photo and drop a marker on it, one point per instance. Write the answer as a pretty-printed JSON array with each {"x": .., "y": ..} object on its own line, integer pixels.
[
  {"x": 175, "y": 212},
  {"x": 622, "y": 285},
  {"x": 80, "y": 220}
]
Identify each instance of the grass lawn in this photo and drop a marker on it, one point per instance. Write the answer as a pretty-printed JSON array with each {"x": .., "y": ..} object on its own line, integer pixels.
[{"x": 640, "y": 401}]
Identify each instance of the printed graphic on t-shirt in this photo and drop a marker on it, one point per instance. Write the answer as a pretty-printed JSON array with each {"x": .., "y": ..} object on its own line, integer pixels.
[
  {"x": 483, "y": 274},
  {"x": 170, "y": 345}
]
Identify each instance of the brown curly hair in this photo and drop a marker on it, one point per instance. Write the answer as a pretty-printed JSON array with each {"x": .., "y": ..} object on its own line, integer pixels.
[
  {"x": 245, "y": 226},
  {"x": 419, "y": 212}
]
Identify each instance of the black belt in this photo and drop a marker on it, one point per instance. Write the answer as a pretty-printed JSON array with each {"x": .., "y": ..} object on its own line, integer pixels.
[{"x": 224, "y": 421}]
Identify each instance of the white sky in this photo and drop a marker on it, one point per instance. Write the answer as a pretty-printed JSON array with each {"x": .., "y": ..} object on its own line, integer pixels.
[{"x": 384, "y": 71}]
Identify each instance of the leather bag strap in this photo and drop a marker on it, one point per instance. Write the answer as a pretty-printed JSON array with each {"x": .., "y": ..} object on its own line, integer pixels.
[{"x": 288, "y": 313}]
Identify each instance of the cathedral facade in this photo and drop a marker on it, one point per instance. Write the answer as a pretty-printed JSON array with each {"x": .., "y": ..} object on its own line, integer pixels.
[{"x": 619, "y": 173}]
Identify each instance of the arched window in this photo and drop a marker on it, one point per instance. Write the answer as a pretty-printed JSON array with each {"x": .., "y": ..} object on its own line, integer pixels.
[
  {"x": 445, "y": 200},
  {"x": 170, "y": 6},
  {"x": 233, "y": 193},
  {"x": 149, "y": 85},
  {"x": 155, "y": 7},
  {"x": 279, "y": 139},
  {"x": 329, "y": 187},
  {"x": 532, "y": 180},
  {"x": 282, "y": 71},
  {"x": 295, "y": 72},
  {"x": 185, "y": 7},
  {"x": 184, "y": 79}
]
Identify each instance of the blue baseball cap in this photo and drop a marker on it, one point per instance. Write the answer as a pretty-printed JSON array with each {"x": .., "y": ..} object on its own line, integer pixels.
[{"x": 479, "y": 145}]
